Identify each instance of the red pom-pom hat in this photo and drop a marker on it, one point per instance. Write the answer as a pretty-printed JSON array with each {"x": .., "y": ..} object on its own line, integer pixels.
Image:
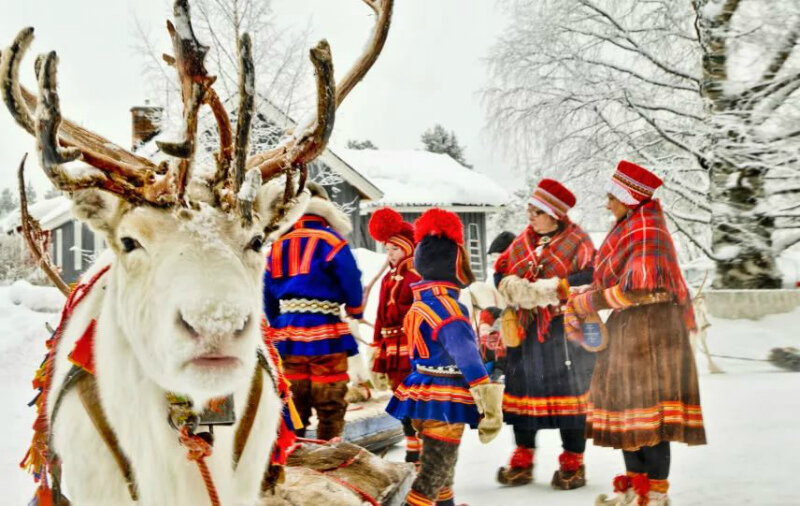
[
  {"x": 553, "y": 198},
  {"x": 387, "y": 225},
  {"x": 440, "y": 223},
  {"x": 632, "y": 184}
]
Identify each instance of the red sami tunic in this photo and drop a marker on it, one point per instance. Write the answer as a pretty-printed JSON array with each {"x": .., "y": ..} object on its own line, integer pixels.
[{"x": 395, "y": 301}]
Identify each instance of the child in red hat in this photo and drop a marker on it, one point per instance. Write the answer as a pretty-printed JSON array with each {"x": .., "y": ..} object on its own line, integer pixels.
[{"x": 391, "y": 362}]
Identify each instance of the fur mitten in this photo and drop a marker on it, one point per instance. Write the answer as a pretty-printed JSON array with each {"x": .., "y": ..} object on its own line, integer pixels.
[
  {"x": 489, "y": 401},
  {"x": 528, "y": 295}
]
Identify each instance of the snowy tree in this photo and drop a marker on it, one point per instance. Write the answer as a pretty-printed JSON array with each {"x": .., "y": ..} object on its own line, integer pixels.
[
  {"x": 701, "y": 91},
  {"x": 439, "y": 140},
  {"x": 365, "y": 144},
  {"x": 7, "y": 201},
  {"x": 279, "y": 55}
]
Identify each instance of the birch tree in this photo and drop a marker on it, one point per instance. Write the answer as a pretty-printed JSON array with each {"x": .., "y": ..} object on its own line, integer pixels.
[{"x": 704, "y": 92}]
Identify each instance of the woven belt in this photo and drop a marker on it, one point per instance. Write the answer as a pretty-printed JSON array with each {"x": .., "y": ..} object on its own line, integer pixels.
[
  {"x": 391, "y": 331},
  {"x": 649, "y": 298},
  {"x": 445, "y": 371},
  {"x": 309, "y": 306}
]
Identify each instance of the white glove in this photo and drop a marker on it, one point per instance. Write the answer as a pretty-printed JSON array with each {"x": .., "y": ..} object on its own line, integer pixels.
[{"x": 528, "y": 295}]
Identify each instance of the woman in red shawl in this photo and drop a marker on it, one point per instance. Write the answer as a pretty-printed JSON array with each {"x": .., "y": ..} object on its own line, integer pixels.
[
  {"x": 547, "y": 377},
  {"x": 391, "y": 361},
  {"x": 644, "y": 392}
]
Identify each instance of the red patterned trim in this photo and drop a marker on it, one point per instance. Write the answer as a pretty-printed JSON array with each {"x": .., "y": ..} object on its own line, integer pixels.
[
  {"x": 414, "y": 498},
  {"x": 277, "y": 259},
  {"x": 545, "y": 406},
  {"x": 330, "y": 378},
  {"x": 335, "y": 250},
  {"x": 445, "y": 494},
  {"x": 484, "y": 379},
  {"x": 427, "y": 393},
  {"x": 444, "y": 439},
  {"x": 305, "y": 264},
  {"x": 630, "y": 420},
  {"x": 309, "y": 334},
  {"x": 300, "y": 376}
]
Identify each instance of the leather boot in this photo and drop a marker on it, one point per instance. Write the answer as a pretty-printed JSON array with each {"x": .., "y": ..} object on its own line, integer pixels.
[
  {"x": 519, "y": 470},
  {"x": 571, "y": 472}
]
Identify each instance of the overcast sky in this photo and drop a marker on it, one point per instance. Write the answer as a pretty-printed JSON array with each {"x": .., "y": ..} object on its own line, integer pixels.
[{"x": 431, "y": 70}]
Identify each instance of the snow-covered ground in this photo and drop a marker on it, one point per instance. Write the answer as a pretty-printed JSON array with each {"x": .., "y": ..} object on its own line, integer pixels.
[{"x": 751, "y": 415}]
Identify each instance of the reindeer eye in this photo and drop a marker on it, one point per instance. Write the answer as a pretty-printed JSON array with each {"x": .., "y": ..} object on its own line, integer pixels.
[
  {"x": 129, "y": 244},
  {"x": 256, "y": 243}
]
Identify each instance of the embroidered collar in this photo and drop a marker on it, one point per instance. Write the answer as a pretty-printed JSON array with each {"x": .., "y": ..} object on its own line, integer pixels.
[
  {"x": 434, "y": 289},
  {"x": 311, "y": 221}
]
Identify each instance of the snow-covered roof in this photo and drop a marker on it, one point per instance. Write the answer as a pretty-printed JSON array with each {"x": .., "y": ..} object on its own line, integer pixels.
[
  {"x": 283, "y": 122},
  {"x": 50, "y": 213},
  {"x": 412, "y": 178}
]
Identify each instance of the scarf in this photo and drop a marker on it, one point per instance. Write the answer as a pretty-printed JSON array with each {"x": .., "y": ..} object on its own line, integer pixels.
[
  {"x": 568, "y": 251},
  {"x": 638, "y": 254}
]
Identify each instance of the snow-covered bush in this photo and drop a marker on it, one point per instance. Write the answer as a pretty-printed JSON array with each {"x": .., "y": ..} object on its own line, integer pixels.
[{"x": 44, "y": 299}]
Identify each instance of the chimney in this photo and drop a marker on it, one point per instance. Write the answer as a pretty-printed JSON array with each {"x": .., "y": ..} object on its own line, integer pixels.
[{"x": 145, "y": 123}]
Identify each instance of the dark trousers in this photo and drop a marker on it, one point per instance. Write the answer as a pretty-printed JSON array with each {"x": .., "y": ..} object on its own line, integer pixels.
[
  {"x": 652, "y": 460},
  {"x": 572, "y": 440}
]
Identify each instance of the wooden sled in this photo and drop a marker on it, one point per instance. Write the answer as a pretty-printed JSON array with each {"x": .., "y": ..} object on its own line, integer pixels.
[{"x": 368, "y": 425}]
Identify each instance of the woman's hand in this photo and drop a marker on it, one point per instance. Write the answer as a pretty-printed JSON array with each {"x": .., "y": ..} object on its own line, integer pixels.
[{"x": 577, "y": 290}]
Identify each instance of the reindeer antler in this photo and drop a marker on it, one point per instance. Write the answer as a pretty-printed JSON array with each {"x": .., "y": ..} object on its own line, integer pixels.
[
  {"x": 133, "y": 178},
  {"x": 309, "y": 139},
  {"x": 140, "y": 181},
  {"x": 189, "y": 61},
  {"x": 33, "y": 234}
]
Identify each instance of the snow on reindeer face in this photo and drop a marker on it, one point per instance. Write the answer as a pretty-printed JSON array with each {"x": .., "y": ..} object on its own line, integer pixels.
[{"x": 187, "y": 294}]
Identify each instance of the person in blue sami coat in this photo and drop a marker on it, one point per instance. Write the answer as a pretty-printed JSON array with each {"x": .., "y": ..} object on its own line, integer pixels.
[
  {"x": 448, "y": 387},
  {"x": 310, "y": 273}
]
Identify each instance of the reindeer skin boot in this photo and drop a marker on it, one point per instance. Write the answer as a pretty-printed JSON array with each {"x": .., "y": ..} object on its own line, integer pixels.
[
  {"x": 624, "y": 494},
  {"x": 519, "y": 470},
  {"x": 571, "y": 472}
]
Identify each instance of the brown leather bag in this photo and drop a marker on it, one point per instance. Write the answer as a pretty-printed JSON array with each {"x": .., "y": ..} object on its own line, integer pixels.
[{"x": 510, "y": 330}]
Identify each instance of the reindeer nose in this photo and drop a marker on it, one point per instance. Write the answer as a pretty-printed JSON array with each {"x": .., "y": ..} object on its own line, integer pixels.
[{"x": 219, "y": 321}]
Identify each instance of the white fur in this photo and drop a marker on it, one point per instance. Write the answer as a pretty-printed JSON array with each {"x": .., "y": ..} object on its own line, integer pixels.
[
  {"x": 528, "y": 295},
  {"x": 193, "y": 266},
  {"x": 334, "y": 216}
]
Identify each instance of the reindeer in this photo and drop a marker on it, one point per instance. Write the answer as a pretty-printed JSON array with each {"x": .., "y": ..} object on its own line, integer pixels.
[{"x": 172, "y": 312}]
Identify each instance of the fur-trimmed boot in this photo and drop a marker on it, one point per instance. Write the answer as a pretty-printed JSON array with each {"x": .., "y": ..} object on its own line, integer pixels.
[
  {"x": 624, "y": 494},
  {"x": 657, "y": 496},
  {"x": 571, "y": 472},
  {"x": 520, "y": 468}
]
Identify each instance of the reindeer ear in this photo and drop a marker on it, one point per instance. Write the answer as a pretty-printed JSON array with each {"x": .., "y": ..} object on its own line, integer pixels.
[
  {"x": 269, "y": 204},
  {"x": 98, "y": 209}
]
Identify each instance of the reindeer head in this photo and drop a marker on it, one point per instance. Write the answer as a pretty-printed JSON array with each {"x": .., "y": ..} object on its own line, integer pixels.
[{"x": 184, "y": 290}]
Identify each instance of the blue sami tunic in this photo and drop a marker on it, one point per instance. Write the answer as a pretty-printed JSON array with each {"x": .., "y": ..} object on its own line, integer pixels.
[
  {"x": 441, "y": 338},
  {"x": 311, "y": 262}
]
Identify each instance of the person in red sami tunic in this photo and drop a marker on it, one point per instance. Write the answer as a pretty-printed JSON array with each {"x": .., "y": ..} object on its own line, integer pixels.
[{"x": 391, "y": 361}]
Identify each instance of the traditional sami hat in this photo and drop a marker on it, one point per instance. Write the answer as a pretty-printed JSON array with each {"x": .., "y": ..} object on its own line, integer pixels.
[
  {"x": 553, "y": 198},
  {"x": 440, "y": 254},
  {"x": 632, "y": 184},
  {"x": 387, "y": 225}
]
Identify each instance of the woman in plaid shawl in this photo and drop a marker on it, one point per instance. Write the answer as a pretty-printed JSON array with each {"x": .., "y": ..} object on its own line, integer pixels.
[
  {"x": 547, "y": 377},
  {"x": 644, "y": 393}
]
